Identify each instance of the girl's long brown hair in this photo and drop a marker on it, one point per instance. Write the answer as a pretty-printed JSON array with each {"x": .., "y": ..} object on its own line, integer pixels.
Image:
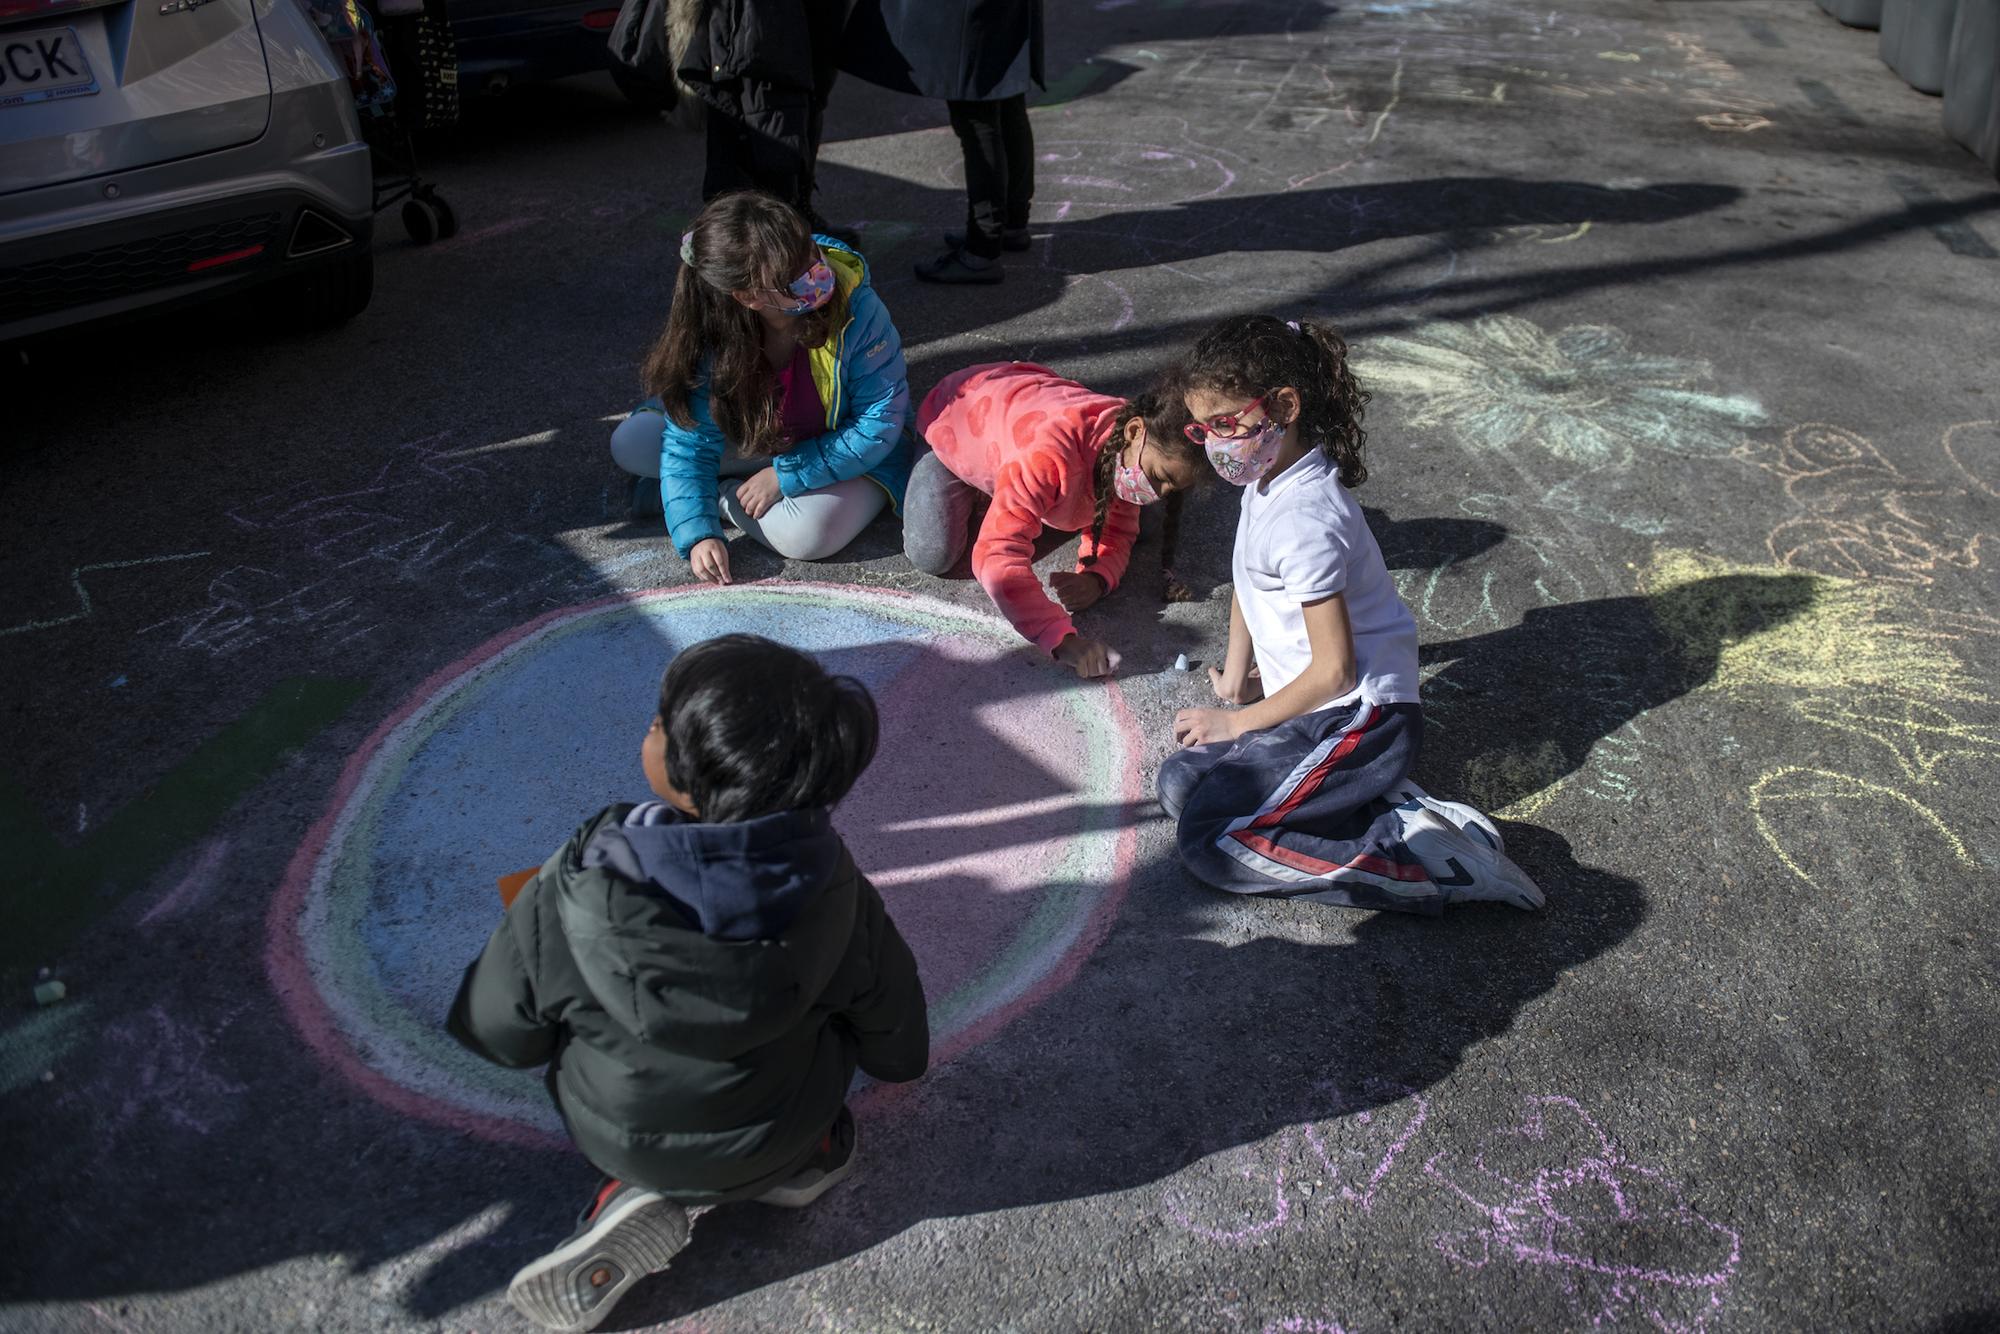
[{"x": 745, "y": 241}]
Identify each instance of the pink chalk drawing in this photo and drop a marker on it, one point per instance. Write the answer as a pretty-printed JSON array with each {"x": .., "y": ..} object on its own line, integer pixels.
[
  {"x": 1004, "y": 871},
  {"x": 1621, "y": 1239},
  {"x": 1348, "y": 1155}
]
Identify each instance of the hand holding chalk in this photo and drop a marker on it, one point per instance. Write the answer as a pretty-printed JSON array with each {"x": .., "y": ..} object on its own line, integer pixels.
[{"x": 1086, "y": 657}]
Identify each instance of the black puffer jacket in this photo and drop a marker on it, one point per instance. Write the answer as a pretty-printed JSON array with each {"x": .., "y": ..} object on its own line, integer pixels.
[{"x": 702, "y": 994}]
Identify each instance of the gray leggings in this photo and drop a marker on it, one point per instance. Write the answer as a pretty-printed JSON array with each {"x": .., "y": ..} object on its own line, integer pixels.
[{"x": 812, "y": 526}]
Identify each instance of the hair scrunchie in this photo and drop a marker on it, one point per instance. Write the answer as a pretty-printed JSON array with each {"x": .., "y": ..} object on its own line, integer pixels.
[{"x": 687, "y": 251}]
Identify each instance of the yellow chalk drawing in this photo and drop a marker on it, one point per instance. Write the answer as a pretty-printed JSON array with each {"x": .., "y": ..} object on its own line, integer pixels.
[
  {"x": 1919, "y": 734},
  {"x": 1733, "y": 122},
  {"x": 1853, "y": 636},
  {"x": 1541, "y": 774},
  {"x": 1865, "y": 659},
  {"x": 1792, "y": 783}
]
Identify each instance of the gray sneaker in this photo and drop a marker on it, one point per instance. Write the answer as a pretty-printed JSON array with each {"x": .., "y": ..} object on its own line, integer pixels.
[
  {"x": 626, "y": 1233},
  {"x": 1462, "y": 864},
  {"x": 827, "y": 1168}
]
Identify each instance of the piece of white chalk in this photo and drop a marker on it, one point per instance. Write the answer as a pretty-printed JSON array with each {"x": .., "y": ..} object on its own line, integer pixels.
[
  {"x": 48, "y": 993},
  {"x": 1181, "y": 663}
]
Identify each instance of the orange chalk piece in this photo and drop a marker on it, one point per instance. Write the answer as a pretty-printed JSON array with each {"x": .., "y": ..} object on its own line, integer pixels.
[{"x": 511, "y": 885}]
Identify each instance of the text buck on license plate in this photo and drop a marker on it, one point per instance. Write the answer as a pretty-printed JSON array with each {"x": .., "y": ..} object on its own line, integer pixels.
[{"x": 43, "y": 63}]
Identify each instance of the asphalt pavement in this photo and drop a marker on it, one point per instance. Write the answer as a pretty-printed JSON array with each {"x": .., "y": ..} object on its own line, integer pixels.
[{"x": 1681, "y": 323}]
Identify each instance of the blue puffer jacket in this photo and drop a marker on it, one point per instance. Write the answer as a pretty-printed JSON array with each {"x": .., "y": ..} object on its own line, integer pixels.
[{"x": 861, "y": 379}]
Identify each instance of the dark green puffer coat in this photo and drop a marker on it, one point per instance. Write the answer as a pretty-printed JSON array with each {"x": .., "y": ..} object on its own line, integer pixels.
[{"x": 701, "y": 993}]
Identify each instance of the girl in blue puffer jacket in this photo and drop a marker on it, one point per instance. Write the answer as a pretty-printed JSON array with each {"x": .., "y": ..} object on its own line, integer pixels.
[{"x": 779, "y": 392}]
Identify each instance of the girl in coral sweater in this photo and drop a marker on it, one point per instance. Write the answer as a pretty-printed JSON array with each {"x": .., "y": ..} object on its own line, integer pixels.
[{"x": 1048, "y": 453}]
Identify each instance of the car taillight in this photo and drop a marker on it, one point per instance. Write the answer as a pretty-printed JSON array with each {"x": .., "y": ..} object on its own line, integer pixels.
[
  {"x": 14, "y": 11},
  {"x": 597, "y": 20}
]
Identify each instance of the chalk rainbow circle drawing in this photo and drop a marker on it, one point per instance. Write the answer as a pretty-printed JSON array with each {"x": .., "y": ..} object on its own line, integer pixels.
[{"x": 1003, "y": 858}]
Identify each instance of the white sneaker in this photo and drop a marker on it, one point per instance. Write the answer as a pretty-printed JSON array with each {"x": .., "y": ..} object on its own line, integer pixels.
[
  {"x": 1460, "y": 862},
  {"x": 1468, "y": 818}
]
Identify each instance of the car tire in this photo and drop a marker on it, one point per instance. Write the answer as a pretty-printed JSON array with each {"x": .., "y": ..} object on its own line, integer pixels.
[{"x": 326, "y": 298}]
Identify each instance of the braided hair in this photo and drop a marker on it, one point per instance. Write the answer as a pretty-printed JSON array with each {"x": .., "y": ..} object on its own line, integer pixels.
[{"x": 1163, "y": 408}]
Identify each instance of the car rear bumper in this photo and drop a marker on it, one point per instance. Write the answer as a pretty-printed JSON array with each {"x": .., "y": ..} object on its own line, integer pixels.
[
  {"x": 81, "y": 250},
  {"x": 116, "y": 268}
]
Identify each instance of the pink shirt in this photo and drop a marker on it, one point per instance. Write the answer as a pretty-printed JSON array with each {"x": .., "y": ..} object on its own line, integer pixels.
[
  {"x": 1030, "y": 439},
  {"x": 801, "y": 415}
]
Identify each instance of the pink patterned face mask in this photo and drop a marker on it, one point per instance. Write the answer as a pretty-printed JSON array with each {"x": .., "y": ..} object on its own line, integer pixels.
[
  {"x": 1241, "y": 460},
  {"x": 1130, "y": 483}
]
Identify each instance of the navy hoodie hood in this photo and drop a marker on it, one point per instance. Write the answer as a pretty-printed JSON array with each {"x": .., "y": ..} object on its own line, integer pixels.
[{"x": 743, "y": 881}]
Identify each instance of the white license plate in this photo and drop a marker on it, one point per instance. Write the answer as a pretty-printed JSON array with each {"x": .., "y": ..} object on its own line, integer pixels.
[{"x": 43, "y": 63}]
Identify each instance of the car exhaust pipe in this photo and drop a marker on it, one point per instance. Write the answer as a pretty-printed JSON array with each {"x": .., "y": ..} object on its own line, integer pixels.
[{"x": 315, "y": 234}]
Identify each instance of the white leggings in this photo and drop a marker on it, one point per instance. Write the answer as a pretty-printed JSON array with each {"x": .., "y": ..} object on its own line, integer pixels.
[{"x": 812, "y": 526}]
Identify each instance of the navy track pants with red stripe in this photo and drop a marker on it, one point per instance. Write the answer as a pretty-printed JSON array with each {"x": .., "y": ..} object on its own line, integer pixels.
[{"x": 1297, "y": 810}]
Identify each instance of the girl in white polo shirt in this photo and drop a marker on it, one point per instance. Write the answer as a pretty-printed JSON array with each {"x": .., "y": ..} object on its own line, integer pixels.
[{"x": 1303, "y": 789}]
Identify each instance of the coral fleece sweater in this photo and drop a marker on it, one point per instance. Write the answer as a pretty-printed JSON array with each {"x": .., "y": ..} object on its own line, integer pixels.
[{"x": 1029, "y": 438}]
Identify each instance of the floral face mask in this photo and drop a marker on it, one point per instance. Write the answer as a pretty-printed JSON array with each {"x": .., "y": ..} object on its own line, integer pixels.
[{"x": 1241, "y": 460}]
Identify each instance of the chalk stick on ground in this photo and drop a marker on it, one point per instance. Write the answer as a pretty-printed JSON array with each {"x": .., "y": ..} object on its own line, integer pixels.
[
  {"x": 48, "y": 993},
  {"x": 1181, "y": 663}
]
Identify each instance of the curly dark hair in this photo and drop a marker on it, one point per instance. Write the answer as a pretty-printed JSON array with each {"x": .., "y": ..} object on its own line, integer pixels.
[
  {"x": 1164, "y": 410},
  {"x": 1256, "y": 355},
  {"x": 744, "y": 241}
]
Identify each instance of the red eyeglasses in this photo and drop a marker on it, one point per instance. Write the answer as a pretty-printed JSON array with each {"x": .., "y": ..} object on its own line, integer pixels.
[{"x": 1228, "y": 425}]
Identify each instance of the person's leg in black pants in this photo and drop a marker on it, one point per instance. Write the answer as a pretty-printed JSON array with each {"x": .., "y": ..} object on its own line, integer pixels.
[{"x": 999, "y": 150}]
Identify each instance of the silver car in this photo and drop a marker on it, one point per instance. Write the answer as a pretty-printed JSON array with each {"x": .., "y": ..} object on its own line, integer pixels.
[{"x": 158, "y": 150}]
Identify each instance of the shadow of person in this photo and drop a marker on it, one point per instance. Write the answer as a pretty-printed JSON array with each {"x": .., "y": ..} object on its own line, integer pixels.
[
  {"x": 1515, "y": 711},
  {"x": 1179, "y": 1041}
]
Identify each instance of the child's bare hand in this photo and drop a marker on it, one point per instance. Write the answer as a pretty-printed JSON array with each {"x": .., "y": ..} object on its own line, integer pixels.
[
  {"x": 1088, "y": 658},
  {"x": 759, "y": 493},
  {"x": 710, "y": 561},
  {"x": 1199, "y": 727},
  {"x": 1077, "y": 591},
  {"x": 1246, "y": 691}
]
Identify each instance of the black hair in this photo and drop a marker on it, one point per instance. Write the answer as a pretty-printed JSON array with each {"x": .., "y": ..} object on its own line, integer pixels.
[
  {"x": 1253, "y": 355},
  {"x": 1164, "y": 410},
  {"x": 754, "y": 728}
]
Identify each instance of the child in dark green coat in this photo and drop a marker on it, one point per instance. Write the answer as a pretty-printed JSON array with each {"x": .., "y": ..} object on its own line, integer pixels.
[{"x": 702, "y": 974}]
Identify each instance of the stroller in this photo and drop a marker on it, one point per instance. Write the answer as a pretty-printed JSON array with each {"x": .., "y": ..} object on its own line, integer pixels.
[{"x": 402, "y": 65}]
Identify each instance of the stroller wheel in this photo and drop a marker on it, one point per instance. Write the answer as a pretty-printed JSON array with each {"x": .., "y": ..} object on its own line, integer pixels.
[
  {"x": 421, "y": 221},
  {"x": 447, "y": 220}
]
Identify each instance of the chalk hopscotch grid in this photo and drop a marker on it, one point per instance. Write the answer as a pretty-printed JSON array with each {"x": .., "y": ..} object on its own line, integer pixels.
[{"x": 360, "y": 1030}]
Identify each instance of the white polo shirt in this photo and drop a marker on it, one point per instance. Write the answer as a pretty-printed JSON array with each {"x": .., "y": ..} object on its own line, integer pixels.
[{"x": 1301, "y": 538}]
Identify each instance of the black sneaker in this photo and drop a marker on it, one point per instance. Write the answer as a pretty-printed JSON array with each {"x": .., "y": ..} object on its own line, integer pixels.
[
  {"x": 847, "y": 236},
  {"x": 956, "y": 266},
  {"x": 626, "y": 1233},
  {"x": 1011, "y": 238},
  {"x": 827, "y": 1168}
]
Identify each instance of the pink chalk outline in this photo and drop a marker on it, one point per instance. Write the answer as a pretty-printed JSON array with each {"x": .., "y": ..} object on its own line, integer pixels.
[
  {"x": 291, "y": 976},
  {"x": 1526, "y": 1224}
]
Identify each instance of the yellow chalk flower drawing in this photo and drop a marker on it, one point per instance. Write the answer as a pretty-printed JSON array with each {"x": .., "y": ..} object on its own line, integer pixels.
[
  {"x": 1863, "y": 658},
  {"x": 1581, "y": 393}
]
